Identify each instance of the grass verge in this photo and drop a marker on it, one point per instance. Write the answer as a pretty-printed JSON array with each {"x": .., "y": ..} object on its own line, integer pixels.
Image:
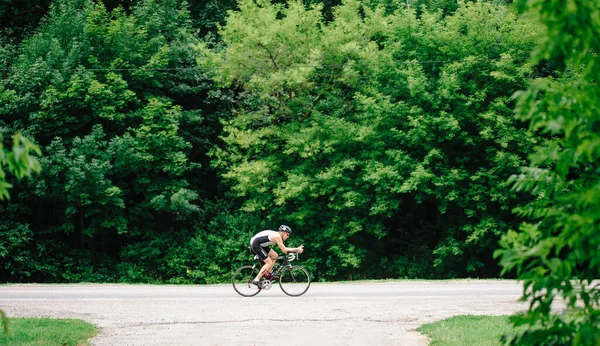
[
  {"x": 467, "y": 330},
  {"x": 48, "y": 332}
]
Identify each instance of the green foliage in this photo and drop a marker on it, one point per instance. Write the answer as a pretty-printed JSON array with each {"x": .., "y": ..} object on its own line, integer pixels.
[
  {"x": 383, "y": 133},
  {"x": 20, "y": 17},
  {"x": 208, "y": 15},
  {"x": 555, "y": 252},
  {"x": 208, "y": 256},
  {"x": 15, "y": 246},
  {"x": 376, "y": 128},
  {"x": 17, "y": 160},
  {"x": 105, "y": 94},
  {"x": 211, "y": 255}
]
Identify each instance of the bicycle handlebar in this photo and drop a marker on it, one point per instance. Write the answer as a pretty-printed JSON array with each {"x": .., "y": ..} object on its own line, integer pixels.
[{"x": 290, "y": 256}]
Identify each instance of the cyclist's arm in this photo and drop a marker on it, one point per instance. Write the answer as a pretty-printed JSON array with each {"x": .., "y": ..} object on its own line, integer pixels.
[{"x": 284, "y": 248}]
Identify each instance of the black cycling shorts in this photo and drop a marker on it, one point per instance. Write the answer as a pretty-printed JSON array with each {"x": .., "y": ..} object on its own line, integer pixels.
[{"x": 260, "y": 251}]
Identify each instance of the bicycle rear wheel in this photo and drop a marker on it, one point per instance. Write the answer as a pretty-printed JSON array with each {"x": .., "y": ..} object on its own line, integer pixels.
[
  {"x": 242, "y": 281},
  {"x": 294, "y": 281}
]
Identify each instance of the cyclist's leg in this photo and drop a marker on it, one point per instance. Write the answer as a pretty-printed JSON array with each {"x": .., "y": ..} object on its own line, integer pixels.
[
  {"x": 266, "y": 267},
  {"x": 273, "y": 255},
  {"x": 263, "y": 254},
  {"x": 269, "y": 262}
]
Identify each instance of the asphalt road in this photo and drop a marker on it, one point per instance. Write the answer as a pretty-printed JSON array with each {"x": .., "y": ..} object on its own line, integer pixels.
[{"x": 367, "y": 313}]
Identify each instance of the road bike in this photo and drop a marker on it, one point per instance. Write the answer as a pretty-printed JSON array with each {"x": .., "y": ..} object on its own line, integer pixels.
[{"x": 293, "y": 280}]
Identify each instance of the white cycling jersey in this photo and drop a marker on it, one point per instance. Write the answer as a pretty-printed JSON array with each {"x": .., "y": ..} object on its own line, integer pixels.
[{"x": 263, "y": 238}]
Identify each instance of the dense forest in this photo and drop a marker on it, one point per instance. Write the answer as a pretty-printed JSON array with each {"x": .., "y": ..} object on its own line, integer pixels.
[{"x": 383, "y": 133}]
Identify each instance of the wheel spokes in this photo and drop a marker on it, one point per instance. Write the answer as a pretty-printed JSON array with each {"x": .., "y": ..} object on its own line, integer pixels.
[
  {"x": 294, "y": 281},
  {"x": 242, "y": 281}
]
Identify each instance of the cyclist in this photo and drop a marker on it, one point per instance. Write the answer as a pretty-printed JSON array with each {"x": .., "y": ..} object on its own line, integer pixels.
[{"x": 260, "y": 246}]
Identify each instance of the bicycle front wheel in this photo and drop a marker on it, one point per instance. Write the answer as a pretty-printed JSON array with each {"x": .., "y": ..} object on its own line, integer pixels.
[
  {"x": 242, "y": 281},
  {"x": 294, "y": 281}
]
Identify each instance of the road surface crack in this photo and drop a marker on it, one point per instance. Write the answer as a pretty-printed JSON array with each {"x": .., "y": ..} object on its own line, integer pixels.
[{"x": 274, "y": 320}]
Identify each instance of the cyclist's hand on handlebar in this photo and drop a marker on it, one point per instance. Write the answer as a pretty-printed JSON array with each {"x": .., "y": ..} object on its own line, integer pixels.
[{"x": 300, "y": 249}]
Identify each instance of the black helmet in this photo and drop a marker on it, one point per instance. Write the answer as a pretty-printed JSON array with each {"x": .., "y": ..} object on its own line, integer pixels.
[{"x": 284, "y": 228}]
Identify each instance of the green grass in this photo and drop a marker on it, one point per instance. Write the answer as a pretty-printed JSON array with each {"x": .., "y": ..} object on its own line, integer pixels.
[
  {"x": 48, "y": 331},
  {"x": 467, "y": 330}
]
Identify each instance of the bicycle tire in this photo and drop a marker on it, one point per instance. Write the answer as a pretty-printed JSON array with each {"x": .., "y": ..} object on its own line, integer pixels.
[
  {"x": 294, "y": 281},
  {"x": 241, "y": 281}
]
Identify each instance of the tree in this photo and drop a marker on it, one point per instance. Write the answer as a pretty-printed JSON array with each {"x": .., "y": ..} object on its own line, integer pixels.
[
  {"x": 555, "y": 252},
  {"x": 20, "y": 17},
  {"x": 105, "y": 94},
  {"x": 369, "y": 129},
  {"x": 21, "y": 162}
]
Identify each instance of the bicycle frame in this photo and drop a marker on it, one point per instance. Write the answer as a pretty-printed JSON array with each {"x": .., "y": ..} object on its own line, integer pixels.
[{"x": 289, "y": 257}]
